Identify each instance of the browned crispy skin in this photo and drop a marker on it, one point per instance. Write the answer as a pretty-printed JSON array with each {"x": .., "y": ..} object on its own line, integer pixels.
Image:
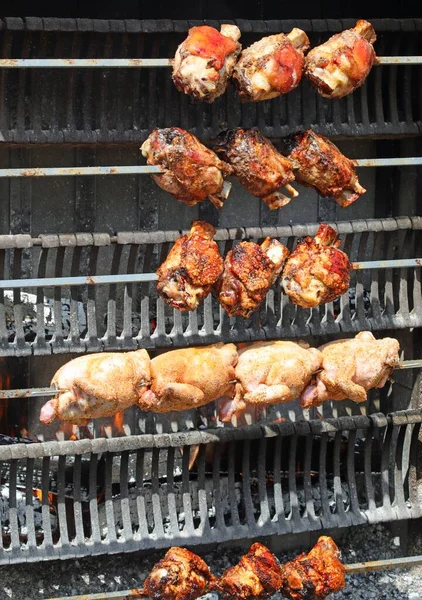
[
  {"x": 341, "y": 64},
  {"x": 320, "y": 164},
  {"x": 260, "y": 168},
  {"x": 191, "y": 268},
  {"x": 249, "y": 272},
  {"x": 191, "y": 172},
  {"x": 257, "y": 575},
  {"x": 180, "y": 575},
  {"x": 316, "y": 271},
  {"x": 315, "y": 575}
]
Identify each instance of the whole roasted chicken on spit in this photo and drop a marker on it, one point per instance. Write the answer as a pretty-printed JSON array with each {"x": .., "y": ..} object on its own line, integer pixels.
[
  {"x": 260, "y": 168},
  {"x": 318, "y": 163},
  {"x": 249, "y": 272},
  {"x": 271, "y": 67},
  {"x": 316, "y": 271},
  {"x": 204, "y": 62},
  {"x": 191, "y": 268},
  {"x": 342, "y": 64},
  {"x": 352, "y": 367},
  {"x": 191, "y": 172}
]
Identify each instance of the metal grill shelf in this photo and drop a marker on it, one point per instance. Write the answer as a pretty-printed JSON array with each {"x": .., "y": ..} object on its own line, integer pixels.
[
  {"x": 138, "y": 492},
  {"x": 125, "y": 315},
  {"x": 81, "y": 106}
]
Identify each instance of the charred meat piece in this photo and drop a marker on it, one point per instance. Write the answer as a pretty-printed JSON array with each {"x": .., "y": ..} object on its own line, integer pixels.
[
  {"x": 316, "y": 271},
  {"x": 97, "y": 385},
  {"x": 204, "y": 62},
  {"x": 190, "y": 377},
  {"x": 342, "y": 64},
  {"x": 256, "y": 576},
  {"x": 314, "y": 575},
  {"x": 191, "y": 268},
  {"x": 260, "y": 168},
  {"x": 249, "y": 272},
  {"x": 180, "y": 575},
  {"x": 271, "y": 67},
  {"x": 352, "y": 367},
  {"x": 269, "y": 373},
  {"x": 318, "y": 163},
  {"x": 191, "y": 172}
]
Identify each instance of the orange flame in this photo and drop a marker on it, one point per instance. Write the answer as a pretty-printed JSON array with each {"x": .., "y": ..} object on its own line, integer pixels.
[{"x": 118, "y": 422}]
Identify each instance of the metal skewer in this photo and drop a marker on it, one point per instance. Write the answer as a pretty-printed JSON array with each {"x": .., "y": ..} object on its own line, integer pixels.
[{"x": 51, "y": 391}]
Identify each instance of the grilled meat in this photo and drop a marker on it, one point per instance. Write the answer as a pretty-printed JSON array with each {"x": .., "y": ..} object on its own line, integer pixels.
[
  {"x": 249, "y": 272},
  {"x": 352, "y": 367},
  {"x": 191, "y": 172},
  {"x": 260, "y": 168},
  {"x": 97, "y": 385},
  {"x": 342, "y": 64},
  {"x": 257, "y": 575},
  {"x": 318, "y": 163},
  {"x": 190, "y": 377},
  {"x": 204, "y": 62},
  {"x": 269, "y": 373},
  {"x": 191, "y": 268},
  {"x": 180, "y": 575},
  {"x": 316, "y": 271},
  {"x": 314, "y": 575},
  {"x": 271, "y": 67}
]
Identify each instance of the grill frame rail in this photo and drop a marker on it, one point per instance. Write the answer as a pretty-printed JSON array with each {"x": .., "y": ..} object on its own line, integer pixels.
[{"x": 396, "y": 435}]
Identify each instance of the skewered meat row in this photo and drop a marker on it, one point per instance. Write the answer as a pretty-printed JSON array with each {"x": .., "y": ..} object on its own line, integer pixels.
[
  {"x": 274, "y": 65},
  {"x": 100, "y": 385},
  {"x": 192, "y": 172},
  {"x": 183, "y": 575}
]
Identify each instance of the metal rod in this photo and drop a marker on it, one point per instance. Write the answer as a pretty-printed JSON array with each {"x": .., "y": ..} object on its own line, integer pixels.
[
  {"x": 387, "y": 264},
  {"x": 380, "y": 565},
  {"x": 106, "y": 596},
  {"x": 136, "y": 63},
  {"x": 407, "y": 161},
  {"x": 50, "y": 391}
]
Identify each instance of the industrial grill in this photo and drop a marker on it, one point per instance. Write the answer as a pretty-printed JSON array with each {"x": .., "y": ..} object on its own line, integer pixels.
[{"x": 83, "y": 230}]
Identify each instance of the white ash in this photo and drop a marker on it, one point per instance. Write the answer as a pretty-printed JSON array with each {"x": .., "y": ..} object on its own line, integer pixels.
[
  {"x": 21, "y": 513},
  {"x": 105, "y": 574}
]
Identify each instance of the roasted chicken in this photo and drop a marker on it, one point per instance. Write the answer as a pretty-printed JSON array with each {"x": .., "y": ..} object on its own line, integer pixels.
[
  {"x": 318, "y": 163},
  {"x": 316, "y": 271},
  {"x": 249, "y": 272},
  {"x": 256, "y": 576},
  {"x": 180, "y": 575},
  {"x": 204, "y": 62},
  {"x": 352, "y": 367},
  {"x": 191, "y": 172},
  {"x": 342, "y": 64},
  {"x": 271, "y": 67},
  {"x": 97, "y": 385},
  {"x": 314, "y": 575},
  {"x": 190, "y": 377},
  {"x": 191, "y": 268},
  {"x": 260, "y": 168},
  {"x": 269, "y": 373}
]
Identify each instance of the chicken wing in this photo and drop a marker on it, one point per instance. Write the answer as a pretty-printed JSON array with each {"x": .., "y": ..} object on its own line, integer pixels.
[
  {"x": 249, "y": 272},
  {"x": 260, "y": 168},
  {"x": 314, "y": 575},
  {"x": 190, "y": 377},
  {"x": 318, "y": 163},
  {"x": 342, "y": 64},
  {"x": 97, "y": 385},
  {"x": 191, "y": 268},
  {"x": 271, "y": 67},
  {"x": 256, "y": 576},
  {"x": 269, "y": 373},
  {"x": 180, "y": 575},
  {"x": 316, "y": 271},
  {"x": 204, "y": 62},
  {"x": 191, "y": 172},
  {"x": 352, "y": 367}
]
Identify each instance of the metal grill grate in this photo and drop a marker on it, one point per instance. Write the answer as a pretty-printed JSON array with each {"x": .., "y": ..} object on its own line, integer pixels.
[
  {"x": 88, "y": 318},
  {"x": 82, "y": 106},
  {"x": 98, "y": 496}
]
